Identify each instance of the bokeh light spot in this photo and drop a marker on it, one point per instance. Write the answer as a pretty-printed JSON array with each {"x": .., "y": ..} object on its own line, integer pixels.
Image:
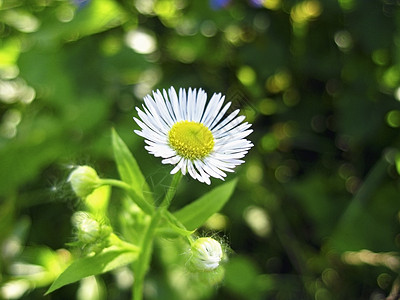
[
  {"x": 393, "y": 118},
  {"x": 246, "y": 75},
  {"x": 269, "y": 142},
  {"x": 254, "y": 172},
  {"x": 384, "y": 280},
  {"x": 290, "y": 97},
  {"x": 261, "y": 22},
  {"x": 391, "y": 77},
  {"x": 141, "y": 41},
  {"x": 145, "y": 6},
  {"x": 305, "y": 11},
  {"x": 346, "y": 4},
  {"x": 268, "y": 106},
  {"x": 283, "y": 173},
  {"x": 217, "y": 222},
  {"x": 21, "y": 20},
  {"x": 232, "y": 34},
  {"x": 272, "y": 4},
  {"x": 380, "y": 57},
  {"x": 258, "y": 220},
  {"x": 343, "y": 40},
  {"x": 65, "y": 13},
  {"x": 278, "y": 82},
  {"x": 208, "y": 28},
  {"x": 397, "y": 94}
]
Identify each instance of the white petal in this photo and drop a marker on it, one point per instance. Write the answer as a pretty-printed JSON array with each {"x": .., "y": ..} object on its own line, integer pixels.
[
  {"x": 162, "y": 108},
  {"x": 152, "y": 115},
  {"x": 175, "y": 103},
  {"x": 206, "y": 177},
  {"x": 169, "y": 106},
  {"x": 182, "y": 103},
  {"x": 178, "y": 166},
  {"x": 172, "y": 160},
  {"x": 192, "y": 172},
  {"x": 191, "y": 104},
  {"x": 220, "y": 115},
  {"x": 200, "y": 104},
  {"x": 225, "y": 121},
  {"x": 214, "y": 109},
  {"x": 230, "y": 125}
]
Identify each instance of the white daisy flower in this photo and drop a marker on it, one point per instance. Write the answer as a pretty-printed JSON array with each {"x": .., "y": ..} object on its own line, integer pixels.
[{"x": 192, "y": 134}]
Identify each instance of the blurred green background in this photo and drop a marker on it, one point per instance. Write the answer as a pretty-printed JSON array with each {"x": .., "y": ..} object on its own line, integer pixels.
[{"x": 316, "y": 211}]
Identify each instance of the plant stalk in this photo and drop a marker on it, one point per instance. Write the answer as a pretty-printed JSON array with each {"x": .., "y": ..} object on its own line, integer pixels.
[
  {"x": 142, "y": 264},
  {"x": 138, "y": 199}
]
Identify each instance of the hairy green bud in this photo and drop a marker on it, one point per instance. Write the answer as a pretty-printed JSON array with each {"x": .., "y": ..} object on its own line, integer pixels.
[
  {"x": 88, "y": 229},
  {"x": 206, "y": 254},
  {"x": 84, "y": 180},
  {"x": 92, "y": 235}
]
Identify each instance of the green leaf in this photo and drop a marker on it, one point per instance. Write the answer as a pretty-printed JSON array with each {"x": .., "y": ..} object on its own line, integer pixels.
[
  {"x": 128, "y": 168},
  {"x": 109, "y": 259},
  {"x": 96, "y": 17},
  {"x": 196, "y": 213}
]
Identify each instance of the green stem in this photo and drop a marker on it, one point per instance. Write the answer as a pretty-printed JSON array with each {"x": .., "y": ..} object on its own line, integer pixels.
[
  {"x": 171, "y": 190},
  {"x": 178, "y": 227},
  {"x": 142, "y": 264},
  {"x": 138, "y": 199}
]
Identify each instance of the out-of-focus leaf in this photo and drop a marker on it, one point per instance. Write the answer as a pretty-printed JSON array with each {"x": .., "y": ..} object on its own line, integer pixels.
[
  {"x": 370, "y": 226},
  {"x": 241, "y": 277},
  {"x": 97, "y": 16},
  {"x": 97, "y": 201},
  {"x": 322, "y": 203},
  {"x": 105, "y": 261},
  {"x": 196, "y": 213}
]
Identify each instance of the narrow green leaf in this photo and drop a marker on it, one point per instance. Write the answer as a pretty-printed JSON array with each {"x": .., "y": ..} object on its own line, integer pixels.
[
  {"x": 128, "y": 168},
  {"x": 196, "y": 213},
  {"x": 109, "y": 259}
]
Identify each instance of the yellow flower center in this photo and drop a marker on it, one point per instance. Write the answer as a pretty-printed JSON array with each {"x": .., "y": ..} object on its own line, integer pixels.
[{"x": 191, "y": 140}]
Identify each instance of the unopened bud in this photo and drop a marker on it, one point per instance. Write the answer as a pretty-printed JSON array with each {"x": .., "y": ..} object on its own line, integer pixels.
[
  {"x": 206, "y": 254},
  {"x": 84, "y": 181},
  {"x": 88, "y": 229}
]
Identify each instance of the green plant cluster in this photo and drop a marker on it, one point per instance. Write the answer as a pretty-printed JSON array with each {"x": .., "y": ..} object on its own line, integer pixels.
[{"x": 315, "y": 214}]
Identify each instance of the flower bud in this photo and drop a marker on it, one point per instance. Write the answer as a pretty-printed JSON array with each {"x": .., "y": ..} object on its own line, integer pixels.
[
  {"x": 84, "y": 181},
  {"x": 88, "y": 229},
  {"x": 206, "y": 254}
]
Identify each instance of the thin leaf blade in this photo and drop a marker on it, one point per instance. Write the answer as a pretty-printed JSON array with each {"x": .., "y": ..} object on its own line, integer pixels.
[
  {"x": 128, "y": 168},
  {"x": 196, "y": 213}
]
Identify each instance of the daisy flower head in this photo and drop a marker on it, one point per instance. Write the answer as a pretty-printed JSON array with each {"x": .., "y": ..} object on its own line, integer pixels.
[{"x": 192, "y": 133}]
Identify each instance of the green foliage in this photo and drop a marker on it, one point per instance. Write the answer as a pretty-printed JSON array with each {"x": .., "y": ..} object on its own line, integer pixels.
[
  {"x": 97, "y": 202},
  {"x": 127, "y": 166},
  {"x": 107, "y": 260},
  {"x": 197, "y": 212},
  {"x": 319, "y": 80}
]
